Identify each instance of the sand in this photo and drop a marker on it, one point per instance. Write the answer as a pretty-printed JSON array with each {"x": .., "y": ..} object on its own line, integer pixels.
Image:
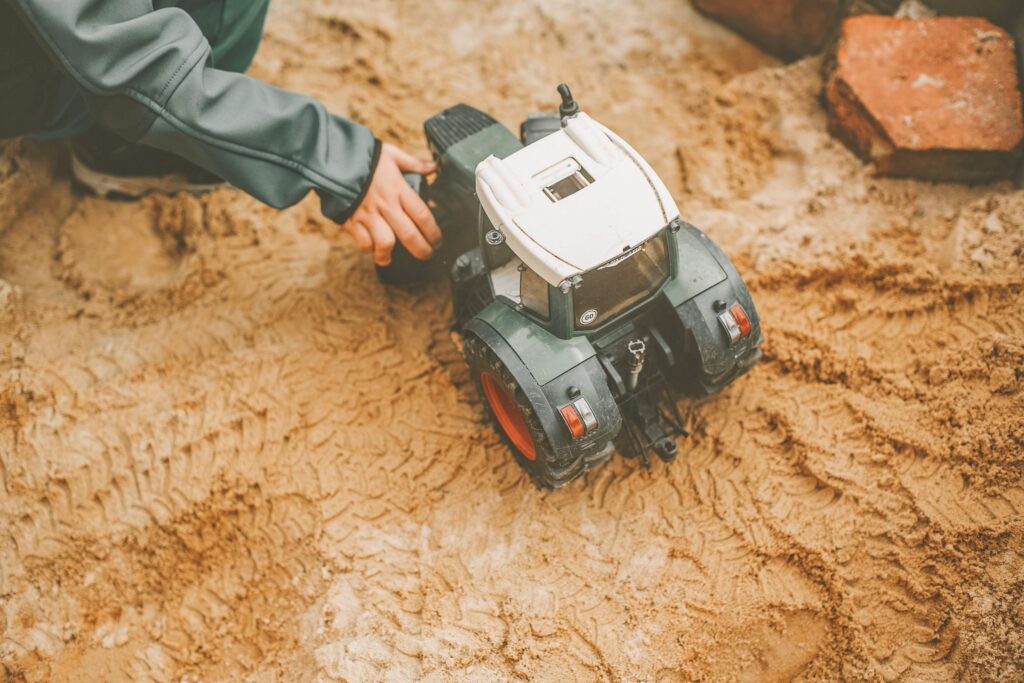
[{"x": 227, "y": 452}]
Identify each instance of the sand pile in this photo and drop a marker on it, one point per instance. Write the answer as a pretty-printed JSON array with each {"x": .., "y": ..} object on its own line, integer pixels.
[{"x": 225, "y": 450}]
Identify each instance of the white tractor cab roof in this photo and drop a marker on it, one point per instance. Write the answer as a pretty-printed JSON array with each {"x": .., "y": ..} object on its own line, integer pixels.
[{"x": 574, "y": 199}]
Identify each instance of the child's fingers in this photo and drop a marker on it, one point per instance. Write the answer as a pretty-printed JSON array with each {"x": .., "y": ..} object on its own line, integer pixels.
[
  {"x": 360, "y": 235},
  {"x": 408, "y": 162}
]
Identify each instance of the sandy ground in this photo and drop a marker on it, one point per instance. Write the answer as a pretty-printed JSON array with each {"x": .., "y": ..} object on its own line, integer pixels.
[{"x": 227, "y": 452}]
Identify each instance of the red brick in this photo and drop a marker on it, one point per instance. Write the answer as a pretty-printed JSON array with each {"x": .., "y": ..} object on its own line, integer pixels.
[
  {"x": 787, "y": 28},
  {"x": 933, "y": 98}
]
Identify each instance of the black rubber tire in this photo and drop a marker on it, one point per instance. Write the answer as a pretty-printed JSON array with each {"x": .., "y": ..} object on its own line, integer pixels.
[
  {"x": 547, "y": 470},
  {"x": 692, "y": 381}
]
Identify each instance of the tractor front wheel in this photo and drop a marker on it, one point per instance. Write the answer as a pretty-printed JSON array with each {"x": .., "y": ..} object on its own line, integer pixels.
[{"x": 506, "y": 398}]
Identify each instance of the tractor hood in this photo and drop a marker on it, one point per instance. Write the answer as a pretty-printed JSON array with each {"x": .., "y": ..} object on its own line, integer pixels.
[{"x": 573, "y": 200}]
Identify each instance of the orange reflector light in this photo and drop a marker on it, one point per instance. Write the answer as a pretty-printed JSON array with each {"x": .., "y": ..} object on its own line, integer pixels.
[
  {"x": 573, "y": 421},
  {"x": 742, "y": 321}
]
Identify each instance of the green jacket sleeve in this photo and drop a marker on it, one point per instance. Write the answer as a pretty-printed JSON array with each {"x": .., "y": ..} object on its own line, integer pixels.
[{"x": 147, "y": 75}]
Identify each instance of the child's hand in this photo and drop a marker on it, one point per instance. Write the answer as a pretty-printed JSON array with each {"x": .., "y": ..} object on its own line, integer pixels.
[{"x": 392, "y": 210}]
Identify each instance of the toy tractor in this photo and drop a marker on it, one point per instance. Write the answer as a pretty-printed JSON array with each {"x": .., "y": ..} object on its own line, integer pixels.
[{"x": 585, "y": 304}]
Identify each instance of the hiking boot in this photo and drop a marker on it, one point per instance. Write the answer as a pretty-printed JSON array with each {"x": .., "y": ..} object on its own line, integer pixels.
[{"x": 111, "y": 166}]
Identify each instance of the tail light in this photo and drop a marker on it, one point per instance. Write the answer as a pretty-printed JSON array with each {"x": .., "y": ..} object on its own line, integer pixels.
[
  {"x": 736, "y": 323},
  {"x": 579, "y": 417}
]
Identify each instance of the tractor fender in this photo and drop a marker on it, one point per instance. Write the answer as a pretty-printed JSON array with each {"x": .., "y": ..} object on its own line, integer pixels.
[
  {"x": 587, "y": 381},
  {"x": 718, "y": 362},
  {"x": 585, "y": 376},
  {"x": 545, "y": 355}
]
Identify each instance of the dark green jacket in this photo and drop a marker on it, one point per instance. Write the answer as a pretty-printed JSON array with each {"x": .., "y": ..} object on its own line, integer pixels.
[{"x": 147, "y": 75}]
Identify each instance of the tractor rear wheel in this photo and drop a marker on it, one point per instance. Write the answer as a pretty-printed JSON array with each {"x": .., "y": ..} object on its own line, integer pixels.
[{"x": 506, "y": 399}]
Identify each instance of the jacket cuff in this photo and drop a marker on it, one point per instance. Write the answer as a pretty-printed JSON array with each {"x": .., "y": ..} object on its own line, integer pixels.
[{"x": 366, "y": 185}]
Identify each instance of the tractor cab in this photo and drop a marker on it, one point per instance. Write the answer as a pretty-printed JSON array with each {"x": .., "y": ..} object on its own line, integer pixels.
[{"x": 576, "y": 228}]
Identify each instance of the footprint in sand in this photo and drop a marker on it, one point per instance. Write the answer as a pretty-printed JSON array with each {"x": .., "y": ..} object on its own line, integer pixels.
[{"x": 118, "y": 246}]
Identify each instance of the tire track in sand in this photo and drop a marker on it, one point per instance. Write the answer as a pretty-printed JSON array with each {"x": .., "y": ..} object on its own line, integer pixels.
[{"x": 262, "y": 461}]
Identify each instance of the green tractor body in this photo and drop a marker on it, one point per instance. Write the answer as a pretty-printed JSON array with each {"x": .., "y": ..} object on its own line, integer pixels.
[{"x": 575, "y": 369}]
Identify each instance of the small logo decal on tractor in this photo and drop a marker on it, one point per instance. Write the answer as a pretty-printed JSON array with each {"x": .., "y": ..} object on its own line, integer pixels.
[{"x": 589, "y": 316}]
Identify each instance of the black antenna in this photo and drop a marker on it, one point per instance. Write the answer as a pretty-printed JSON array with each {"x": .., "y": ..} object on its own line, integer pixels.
[{"x": 568, "y": 107}]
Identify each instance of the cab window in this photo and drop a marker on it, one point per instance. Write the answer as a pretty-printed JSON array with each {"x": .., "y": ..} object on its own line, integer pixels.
[
  {"x": 533, "y": 293},
  {"x": 621, "y": 283}
]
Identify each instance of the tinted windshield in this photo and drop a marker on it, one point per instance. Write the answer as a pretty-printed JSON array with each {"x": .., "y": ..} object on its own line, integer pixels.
[{"x": 612, "y": 288}]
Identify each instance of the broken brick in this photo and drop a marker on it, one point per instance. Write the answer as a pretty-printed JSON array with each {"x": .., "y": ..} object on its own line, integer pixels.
[
  {"x": 787, "y": 28},
  {"x": 933, "y": 98}
]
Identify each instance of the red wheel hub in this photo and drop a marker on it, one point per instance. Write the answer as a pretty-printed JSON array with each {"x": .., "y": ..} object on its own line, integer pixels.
[{"x": 510, "y": 417}]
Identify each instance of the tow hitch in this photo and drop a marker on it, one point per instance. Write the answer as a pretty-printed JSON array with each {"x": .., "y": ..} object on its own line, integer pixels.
[{"x": 651, "y": 418}]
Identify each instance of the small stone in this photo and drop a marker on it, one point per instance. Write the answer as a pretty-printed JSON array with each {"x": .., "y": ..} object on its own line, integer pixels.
[
  {"x": 993, "y": 225},
  {"x": 1003, "y": 380},
  {"x": 933, "y": 98},
  {"x": 726, "y": 98},
  {"x": 903, "y": 383},
  {"x": 914, "y": 9},
  {"x": 10, "y": 295},
  {"x": 981, "y": 257},
  {"x": 112, "y": 635}
]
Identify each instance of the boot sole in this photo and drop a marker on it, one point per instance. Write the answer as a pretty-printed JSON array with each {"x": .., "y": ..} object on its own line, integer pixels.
[{"x": 108, "y": 185}]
